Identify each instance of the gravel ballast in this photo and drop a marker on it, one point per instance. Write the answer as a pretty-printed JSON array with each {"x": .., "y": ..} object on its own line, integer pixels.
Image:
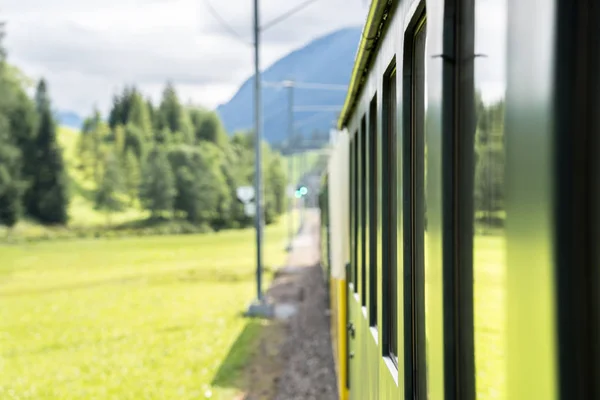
[
  {"x": 294, "y": 359},
  {"x": 308, "y": 369}
]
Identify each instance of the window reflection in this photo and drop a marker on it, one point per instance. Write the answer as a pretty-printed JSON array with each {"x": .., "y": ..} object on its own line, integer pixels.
[
  {"x": 389, "y": 217},
  {"x": 489, "y": 200},
  {"x": 419, "y": 209}
]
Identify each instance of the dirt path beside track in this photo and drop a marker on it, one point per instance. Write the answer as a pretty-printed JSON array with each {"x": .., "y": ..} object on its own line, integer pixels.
[{"x": 294, "y": 357}]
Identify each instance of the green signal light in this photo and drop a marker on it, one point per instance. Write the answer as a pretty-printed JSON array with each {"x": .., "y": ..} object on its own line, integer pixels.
[
  {"x": 297, "y": 194},
  {"x": 303, "y": 190}
]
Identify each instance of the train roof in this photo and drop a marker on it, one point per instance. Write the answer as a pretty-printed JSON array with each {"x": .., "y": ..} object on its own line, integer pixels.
[{"x": 369, "y": 40}]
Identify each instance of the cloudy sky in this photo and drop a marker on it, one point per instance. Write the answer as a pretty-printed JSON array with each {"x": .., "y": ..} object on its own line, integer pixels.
[{"x": 87, "y": 49}]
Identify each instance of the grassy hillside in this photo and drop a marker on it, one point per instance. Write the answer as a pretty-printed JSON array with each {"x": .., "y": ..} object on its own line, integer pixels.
[{"x": 81, "y": 209}]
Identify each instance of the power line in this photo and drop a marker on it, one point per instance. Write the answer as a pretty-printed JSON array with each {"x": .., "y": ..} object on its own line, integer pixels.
[
  {"x": 287, "y": 14},
  {"x": 317, "y": 108},
  {"x": 268, "y": 25},
  {"x": 276, "y": 110},
  {"x": 225, "y": 25},
  {"x": 308, "y": 85},
  {"x": 317, "y": 115},
  {"x": 323, "y": 86}
]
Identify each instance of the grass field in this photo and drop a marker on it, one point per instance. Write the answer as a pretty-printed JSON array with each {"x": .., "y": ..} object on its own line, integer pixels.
[
  {"x": 489, "y": 314},
  {"x": 489, "y": 274},
  {"x": 135, "y": 318}
]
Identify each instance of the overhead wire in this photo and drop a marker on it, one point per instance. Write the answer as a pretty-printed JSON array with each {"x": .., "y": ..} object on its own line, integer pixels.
[
  {"x": 266, "y": 26},
  {"x": 315, "y": 116},
  {"x": 307, "y": 85},
  {"x": 317, "y": 108},
  {"x": 287, "y": 14},
  {"x": 225, "y": 25},
  {"x": 323, "y": 86}
]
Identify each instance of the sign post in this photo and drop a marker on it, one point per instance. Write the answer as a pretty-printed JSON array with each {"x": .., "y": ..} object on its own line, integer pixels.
[
  {"x": 245, "y": 193},
  {"x": 250, "y": 209}
]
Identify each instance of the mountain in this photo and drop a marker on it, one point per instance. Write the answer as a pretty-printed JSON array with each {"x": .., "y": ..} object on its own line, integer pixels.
[
  {"x": 69, "y": 119},
  {"x": 328, "y": 60}
]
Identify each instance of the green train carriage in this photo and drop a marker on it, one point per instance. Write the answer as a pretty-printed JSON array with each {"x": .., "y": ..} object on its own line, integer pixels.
[{"x": 462, "y": 203}]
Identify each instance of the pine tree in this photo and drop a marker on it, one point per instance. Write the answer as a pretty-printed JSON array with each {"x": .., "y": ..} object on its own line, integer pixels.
[
  {"x": 49, "y": 185},
  {"x": 170, "y": 109},
  {"x": 132, "y": 174},
  {"x": 188, "y": 193},
  {"x": 11, "y": 183},
  {"x": 134, "y": 141},
  {"x": 489, "y": 162},
  {"x": 115, "y": 116},
  {"x": 91, "y": 146},
  {"x": 84, "y": 148},
  {"x": 110, "y": 186},
  {"x": 17, "y": 132},
  {"x": 208, "y": 127},
  {"x": 158, "y": 185},
  {"x": 119, "y": 145},
  {"x": 163, "y": 136},
  {"x": 11, "y": 186},
  {"x": 214, "y": 171},
  {"x": 276, "y": 183},
  {"x": 174, "y": 117},
  {"x": 126, "y": 103},
  {"x": 139, "y": 116},
  {"x": 151, "y": 112}
]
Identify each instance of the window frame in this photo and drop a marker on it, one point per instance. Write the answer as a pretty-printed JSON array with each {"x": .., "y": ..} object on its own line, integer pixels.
[
  {"x": 373, "y": 210},
  {"x": 354, "y": 213},
  {"x": 364, "y": 220},
  {"x": 389, "y": 215},
  {"x": 413, "y": 209}
]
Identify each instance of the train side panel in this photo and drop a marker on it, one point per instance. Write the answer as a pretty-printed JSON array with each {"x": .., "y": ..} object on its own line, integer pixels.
[
  {"x": 374, "y": 374},
  {"x": 337, "y": 211}
]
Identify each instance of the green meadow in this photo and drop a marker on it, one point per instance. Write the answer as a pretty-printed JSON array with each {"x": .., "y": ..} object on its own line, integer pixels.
[
  {"x": 489, "y": 315},
  {"x": 134, "y": 318},
  {"x": 490, "y": 333}
]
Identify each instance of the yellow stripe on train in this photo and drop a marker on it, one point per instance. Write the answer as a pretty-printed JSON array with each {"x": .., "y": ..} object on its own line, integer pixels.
[{"x": 338, "y": 333}]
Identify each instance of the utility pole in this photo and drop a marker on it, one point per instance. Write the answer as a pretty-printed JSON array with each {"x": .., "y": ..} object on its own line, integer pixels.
[
  {"x": 258, "y": 308},
  {"x": 303, "y": 165},
  {"x": 257, "y": 161},
  {"x": 290, "y": 88}
]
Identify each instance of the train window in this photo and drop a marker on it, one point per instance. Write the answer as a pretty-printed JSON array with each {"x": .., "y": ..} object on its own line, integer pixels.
[
  {"x": 373, "y": 220},
  {"x": 388, "y": 216},
  {"x": 414, "y": 210},
  {"x": 489, "y": 249},
  {"x": 363, "y": 211}
]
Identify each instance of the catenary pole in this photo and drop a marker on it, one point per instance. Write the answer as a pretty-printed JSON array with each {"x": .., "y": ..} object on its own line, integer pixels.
[
  {"x": 290, "y": 87},
  {"x": 257, "y": 161}
]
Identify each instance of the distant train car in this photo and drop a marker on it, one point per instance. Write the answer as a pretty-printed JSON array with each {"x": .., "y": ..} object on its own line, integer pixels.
[{"x": 461, "y": 203}]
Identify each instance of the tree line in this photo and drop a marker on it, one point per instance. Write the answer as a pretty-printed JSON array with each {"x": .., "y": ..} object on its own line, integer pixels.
[
  {"x": 489, "y": 163},
  {"x": 32, "y": 172},
  {"x": 174, "y": 160}
]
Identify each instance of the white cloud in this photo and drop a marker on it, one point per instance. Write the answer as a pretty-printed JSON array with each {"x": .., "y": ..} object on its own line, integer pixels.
[{"x": 88, "y": 48}]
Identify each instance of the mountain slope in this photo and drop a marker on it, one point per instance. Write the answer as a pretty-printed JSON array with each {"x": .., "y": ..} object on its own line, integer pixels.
[{"x": 328, "y": 59}]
